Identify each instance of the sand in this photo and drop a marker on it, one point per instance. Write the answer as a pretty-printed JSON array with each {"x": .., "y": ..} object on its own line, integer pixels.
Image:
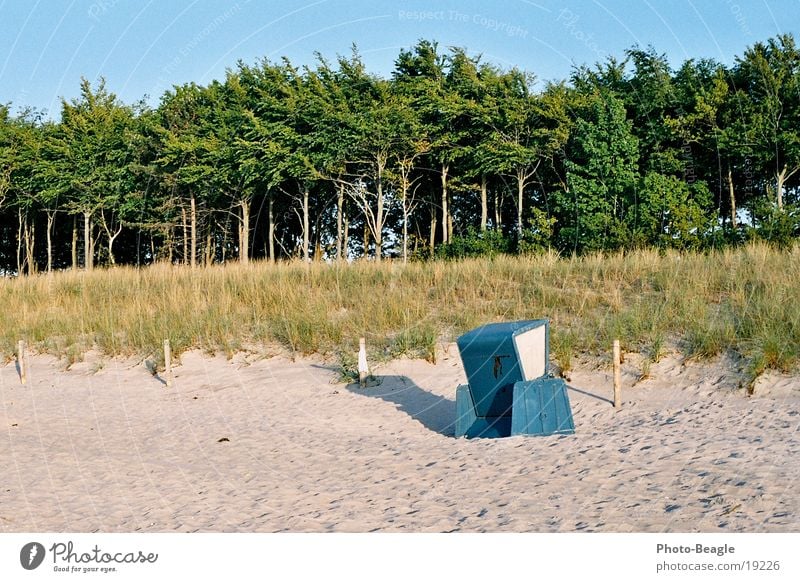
[{"x": 275, "y": 445}]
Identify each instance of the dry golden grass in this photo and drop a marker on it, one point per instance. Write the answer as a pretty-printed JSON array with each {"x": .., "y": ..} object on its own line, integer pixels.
[{"x": 745, "y": 300}]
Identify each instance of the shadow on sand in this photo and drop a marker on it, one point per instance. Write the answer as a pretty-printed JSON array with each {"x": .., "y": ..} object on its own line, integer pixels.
[
  {"x": 435, "y": 413},
  {"x": 590, "y": 395}
]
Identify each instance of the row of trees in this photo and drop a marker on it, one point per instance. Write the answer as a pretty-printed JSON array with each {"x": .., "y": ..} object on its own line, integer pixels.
[{"x": 450, "y": 155}]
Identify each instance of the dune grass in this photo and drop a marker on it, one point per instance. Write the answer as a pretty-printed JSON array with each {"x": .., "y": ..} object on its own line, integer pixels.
[{"x": 743, "y": 300}]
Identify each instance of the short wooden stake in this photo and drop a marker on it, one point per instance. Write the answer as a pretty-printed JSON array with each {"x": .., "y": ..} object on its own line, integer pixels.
[
  {"x": 363, "y": 367},
  {"x": 23, "y": 376},
  {"x": 168, "y": 362},
  {"x": 617, "y": 376}
]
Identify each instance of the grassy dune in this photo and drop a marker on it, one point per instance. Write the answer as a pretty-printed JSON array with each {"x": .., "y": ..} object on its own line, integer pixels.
[{"x": 745, "y": 300}]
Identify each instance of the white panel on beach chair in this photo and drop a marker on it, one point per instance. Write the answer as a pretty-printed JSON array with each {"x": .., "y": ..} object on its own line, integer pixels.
[{"x": 532, "y": 350}]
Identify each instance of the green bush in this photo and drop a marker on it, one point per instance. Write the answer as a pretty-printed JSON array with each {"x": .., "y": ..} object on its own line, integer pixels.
[
  {"x": 536, "y": 238},
  {"x": 778, "y": 227},
  {"x": 475, "y": 243}
]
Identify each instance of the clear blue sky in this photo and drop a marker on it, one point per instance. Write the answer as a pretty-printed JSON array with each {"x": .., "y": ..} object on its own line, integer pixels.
[{"x": 142, "y": 47}]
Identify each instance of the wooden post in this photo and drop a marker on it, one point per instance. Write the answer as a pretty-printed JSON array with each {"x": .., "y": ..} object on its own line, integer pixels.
[
  {"x": 363, "y": 368},
  {"x": 168, "y": 362},
  {"x": 617, "y": 376},
  {"x": 23, "y": 376}
]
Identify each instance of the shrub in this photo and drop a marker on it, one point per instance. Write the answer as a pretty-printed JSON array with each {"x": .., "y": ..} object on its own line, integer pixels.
[{"x": 475, "y": 243}]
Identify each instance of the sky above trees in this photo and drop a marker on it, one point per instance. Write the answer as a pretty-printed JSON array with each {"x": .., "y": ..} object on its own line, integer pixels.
[{"x": 143, "y": 47}]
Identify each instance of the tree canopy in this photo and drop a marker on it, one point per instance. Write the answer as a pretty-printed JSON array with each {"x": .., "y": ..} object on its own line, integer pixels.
[{"x": 449, "y": 155}]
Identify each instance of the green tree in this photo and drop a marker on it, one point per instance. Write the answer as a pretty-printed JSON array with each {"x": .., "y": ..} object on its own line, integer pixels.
[
  {"x": 21, "y": 141},
  {"x": 283, "y": 138},
  {"x": 373, "y": 122},
  {"x": 186, "y": 158},
  {"x": 422, "y": 74},
  {"x": 93, "y": 138},
  {"x": 768, "y": 94},
  {"x": 601, "y": 177},
  {"x": 670, "y": 213},
  {"x": 650, "y": 98}
]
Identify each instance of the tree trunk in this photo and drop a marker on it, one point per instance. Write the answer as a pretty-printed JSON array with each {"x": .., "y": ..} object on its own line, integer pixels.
[
  {"x": 185, "y": 225},
  {"x": 244, "y": 232},
  {"x": 111, "y": 239},
  {"x": 498, "y": 212},
  {"x": 733, "y": 199},
  {"x": 449, "y": 222},
  {"x": 25, "y": 242},
  {"x": 520, "y": 191},
  {"x": 405, "y": 236},
  {"x": 208, "y": 257},
  {"x": 193, "y": 227},
  {"x": 224, "y": 246},
  {"x": 780, "y": 179},
  {"x": 51, "y": 217},
  {"x": 74, "y": 242},
  {"x": 239, "y": 239},
  {"x": 113, "y": 236},
  {"x": 30, "y": 239},
  {"x": 405, "y": 222},
  {"x": 445, "y": 212},
  {"x": 345, "y": 236},
  {"x": 88, "y": 242},
  {"x": 20, "y": 258},
  {"x": 379, "y": 217},
  {"x": 170, "y": 244},
  {"x": 271, "y": 230},
  {"x": 432, "y": 239},
  {"x": 484, "y": 202},
  {"x": 305, "y": 224},
  {"x": 339, "y": 210}
]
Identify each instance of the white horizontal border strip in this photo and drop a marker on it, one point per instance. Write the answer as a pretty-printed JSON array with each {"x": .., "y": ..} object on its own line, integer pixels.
[{"x": 401, "y": 557}]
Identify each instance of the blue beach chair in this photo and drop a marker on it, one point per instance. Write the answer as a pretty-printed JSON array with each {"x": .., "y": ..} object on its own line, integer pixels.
[{"x": 509, "y": 388}]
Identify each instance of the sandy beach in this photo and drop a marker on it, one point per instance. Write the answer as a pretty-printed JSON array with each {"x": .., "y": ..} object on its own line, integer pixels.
[{"x": 275, "y": 445}]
